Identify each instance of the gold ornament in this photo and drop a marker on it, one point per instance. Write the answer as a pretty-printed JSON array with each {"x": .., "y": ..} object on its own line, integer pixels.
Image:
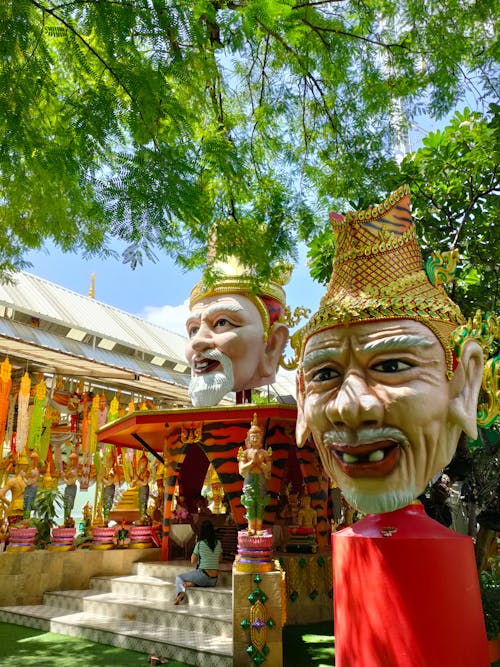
[
  {"x": 233, "y": 278},
  {"x": 378, "y": 274}
]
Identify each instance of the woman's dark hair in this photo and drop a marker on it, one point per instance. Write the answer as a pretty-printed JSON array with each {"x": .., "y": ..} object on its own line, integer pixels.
[{"x": 207, "y": 533}]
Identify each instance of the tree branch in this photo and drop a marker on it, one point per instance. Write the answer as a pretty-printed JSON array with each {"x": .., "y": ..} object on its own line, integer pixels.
[
  {"x": 305, "y": 71},
  {"x": 362, "y": 38}
]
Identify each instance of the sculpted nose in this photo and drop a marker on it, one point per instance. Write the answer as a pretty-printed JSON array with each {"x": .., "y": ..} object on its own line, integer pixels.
[
  {"x": 355, "y": 405},
  {"x": 201, "y": 340}
]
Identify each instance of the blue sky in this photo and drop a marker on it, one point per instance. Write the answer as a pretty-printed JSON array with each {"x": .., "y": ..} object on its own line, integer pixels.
[{"x": 157, "y": 292}]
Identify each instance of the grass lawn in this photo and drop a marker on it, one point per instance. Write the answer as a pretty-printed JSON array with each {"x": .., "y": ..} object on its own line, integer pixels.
[{"x": 303, "y": 646}]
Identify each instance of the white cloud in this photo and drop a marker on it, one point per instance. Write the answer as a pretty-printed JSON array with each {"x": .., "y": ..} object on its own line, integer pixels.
[{"x": 172, "y": 318}]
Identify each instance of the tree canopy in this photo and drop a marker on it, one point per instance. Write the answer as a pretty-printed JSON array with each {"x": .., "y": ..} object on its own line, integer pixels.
[{"x": 164, "y": 122}]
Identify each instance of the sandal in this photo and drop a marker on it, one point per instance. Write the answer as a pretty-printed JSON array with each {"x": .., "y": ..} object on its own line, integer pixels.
[{"x": 180, "y": 597}]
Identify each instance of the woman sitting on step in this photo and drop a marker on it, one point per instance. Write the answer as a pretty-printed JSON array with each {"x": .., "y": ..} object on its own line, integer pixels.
[{"x": 206, "y": 555}]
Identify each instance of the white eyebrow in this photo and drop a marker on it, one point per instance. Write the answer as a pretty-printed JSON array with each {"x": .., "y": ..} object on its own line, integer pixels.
[
  {"x": 215, "y": 310},
  {"x": 382, "y": 345},
  {"x": 396, "y": 343},
  {"x": 220, "y": 308},
  {"x": 320, "y": 356}
]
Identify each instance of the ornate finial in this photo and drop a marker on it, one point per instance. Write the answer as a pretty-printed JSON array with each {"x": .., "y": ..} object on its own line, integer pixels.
[
  {"x": 441, "y": 267},
  {"x": 485, "y": 331},
  {"x": 488, "y": 412},
  {"x": 291, "y": 320},
  {"x": 92, "y": 286}
]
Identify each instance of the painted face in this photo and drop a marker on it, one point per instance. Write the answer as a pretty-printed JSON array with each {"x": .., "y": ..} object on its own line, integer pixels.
[
  {"x": 377, "y": 402},
  {"x": 226, "y": 337},
  {"x": 254, "y": 438}
]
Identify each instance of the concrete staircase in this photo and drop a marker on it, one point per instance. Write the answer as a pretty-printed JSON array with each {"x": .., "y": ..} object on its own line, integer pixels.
[{"x": 137, "y": 612}]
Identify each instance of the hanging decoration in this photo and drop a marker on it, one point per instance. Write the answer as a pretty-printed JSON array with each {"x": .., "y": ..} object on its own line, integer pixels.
[
  {"x": 36, "y": 419},
  {"x": 113, "y": 412},
  {"x": 127, "y": 466},
  {"x": 85, "y": 423},
  {"x": 9, "y": 435},
  {"x": 46, "y": 432},
  {"x": 23, "y": 415},
  {"x": 86, "y": 465},
  {"x": 102, "y": 412},
  {"x": 5, "y": 386},
  {"x": 93, "y": 425}
]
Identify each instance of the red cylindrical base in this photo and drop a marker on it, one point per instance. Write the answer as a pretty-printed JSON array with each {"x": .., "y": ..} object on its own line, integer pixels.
[{"x": 406, "y": 594}]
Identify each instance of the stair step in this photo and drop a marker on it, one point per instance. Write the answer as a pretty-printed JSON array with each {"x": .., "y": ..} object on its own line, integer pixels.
[
  {"x": 137, "y": 612},
  {"x": 169, "y": 569},
  {"x": 154, "y": 588},
  {"x": 186, "y": 645},
  {"x": 212, "y": 620}
]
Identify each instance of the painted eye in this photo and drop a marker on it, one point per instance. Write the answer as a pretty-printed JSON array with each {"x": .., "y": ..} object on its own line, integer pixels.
[
  {"x": 221, "y": 323},
  {"x": 192, "y": 331},
  {"x": 392, "y": 366},
  {"x": 324, "y": 375}
]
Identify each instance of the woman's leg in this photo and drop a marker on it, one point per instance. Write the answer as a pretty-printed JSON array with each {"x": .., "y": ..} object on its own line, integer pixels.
[{"x": 196, "y": 577}]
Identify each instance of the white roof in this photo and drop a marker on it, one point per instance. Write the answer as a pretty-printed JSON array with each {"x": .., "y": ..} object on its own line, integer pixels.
[{"x": 53, "y": 303}]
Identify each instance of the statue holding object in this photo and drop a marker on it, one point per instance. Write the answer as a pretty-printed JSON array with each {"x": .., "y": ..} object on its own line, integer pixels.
[
  {"x": 70, "y": 477},
  {"x": 142, "y": 478},
  {"x": 16, "y": 485},
  {"x": 108, "y": 492},
  {"x": 254, "y": 465},
  {"x": 31, "y": 485}
]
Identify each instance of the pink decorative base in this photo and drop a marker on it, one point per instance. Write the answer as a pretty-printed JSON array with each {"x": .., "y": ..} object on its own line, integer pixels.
[
  {"x": 22, "y": 539},
  {"x": 141, "y": 537},
  {"x": 63, "y": 539},
  {"x": 103, "y": 537},
  {"x": 255, "y": 552}
]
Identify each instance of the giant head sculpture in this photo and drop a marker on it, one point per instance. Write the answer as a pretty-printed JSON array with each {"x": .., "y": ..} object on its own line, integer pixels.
[
  {"x": 383, "y": 385},
  {"x": 236, "y": 335}
]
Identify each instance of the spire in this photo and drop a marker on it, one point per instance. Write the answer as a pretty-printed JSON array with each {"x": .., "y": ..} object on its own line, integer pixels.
[{"x": 92, "y": 286}]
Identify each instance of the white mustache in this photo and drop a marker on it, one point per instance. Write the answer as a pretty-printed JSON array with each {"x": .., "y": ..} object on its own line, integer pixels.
[
  {"x": 210, "y": 353},
  {"x": 365, "y": 436}
]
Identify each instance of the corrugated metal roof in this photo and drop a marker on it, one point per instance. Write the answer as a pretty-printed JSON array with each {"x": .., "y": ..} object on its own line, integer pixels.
[
  {"x": 75, "y": 348},
  {"x": 40, "y": 298},
  {"x": 50, "y": 353}
]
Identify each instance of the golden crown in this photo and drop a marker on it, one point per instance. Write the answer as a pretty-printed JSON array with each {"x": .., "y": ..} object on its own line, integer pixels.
[
  {"x": 233, "y": 278},
  {"x": 378, "y": 274}
]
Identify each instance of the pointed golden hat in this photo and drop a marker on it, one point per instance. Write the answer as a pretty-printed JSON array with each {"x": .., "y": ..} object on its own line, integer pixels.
[
  {"x": 379, "y": 274},
  {"x": 233, "y": 278}
]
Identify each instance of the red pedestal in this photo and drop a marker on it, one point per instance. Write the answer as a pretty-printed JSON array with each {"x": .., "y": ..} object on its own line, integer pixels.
[{"x": 406, "y": 594}]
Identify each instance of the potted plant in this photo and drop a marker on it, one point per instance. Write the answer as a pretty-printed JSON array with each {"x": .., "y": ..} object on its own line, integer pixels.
[{"x": 47, "y": 506}]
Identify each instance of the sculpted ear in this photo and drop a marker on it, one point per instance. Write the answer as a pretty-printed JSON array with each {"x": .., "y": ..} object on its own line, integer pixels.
[
  {"x": 276, "y": 342},
  {"x": 302, "y": 430},
  {"x": 464, "y": 388}
]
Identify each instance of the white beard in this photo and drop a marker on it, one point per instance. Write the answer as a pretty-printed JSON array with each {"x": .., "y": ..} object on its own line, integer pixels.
[
  {"x": 210, "y": 388},
  {"x": 380, "y": 502}
]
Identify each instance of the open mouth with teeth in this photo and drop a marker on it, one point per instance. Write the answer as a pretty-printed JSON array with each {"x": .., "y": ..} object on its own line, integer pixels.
[
  {"x": 202, "y": 366},
  {"x": 374, "y": 460}
]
